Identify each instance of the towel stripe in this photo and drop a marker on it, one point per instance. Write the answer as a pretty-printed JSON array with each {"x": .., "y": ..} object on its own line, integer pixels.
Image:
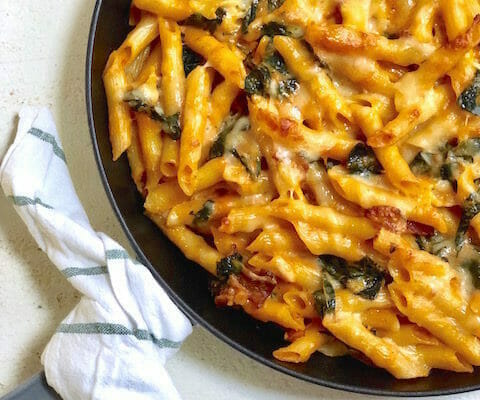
[
  {"x": 116, "y": 329},
  {"x": 28, "y": 201},
  {"x": 116, "y": 254},
  {"x": 47, "y": 137},
  {"x": 73, "y": 271}
]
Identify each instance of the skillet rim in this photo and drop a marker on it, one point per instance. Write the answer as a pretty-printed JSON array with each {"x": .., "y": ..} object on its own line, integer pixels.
[{"x": 191, "y": 314}]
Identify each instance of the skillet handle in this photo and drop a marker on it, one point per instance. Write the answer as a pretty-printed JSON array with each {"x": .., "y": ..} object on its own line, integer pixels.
[{"x": 35, "y": 388}]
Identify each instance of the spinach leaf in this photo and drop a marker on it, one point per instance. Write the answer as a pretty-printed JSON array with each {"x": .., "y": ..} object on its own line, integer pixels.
[
  {"x": 249, "y": 16},
  {"x": 287, "y": 87},
  {"x": 218, "y": 147},
  {"x": 454, "y": 157},
  {"x": 473, "y": 266},
  {"x": 436, "y": 244},
  {"x": 191, "y": 59},
  {"x": 471, "y": 207},
  {"x": 467, "y": 149},
  {"x": 319, "y": 302},
  {"x": 422, "y": 163},
  {"x": 253, "y": 165},
  {"x": 258, "y": 80},
  {"x": 324, "y": 299},
  {"x": 372, "y": 278},
  {"x": 448, "y": 171},
  {"x": 274, "y": 4},
  {"x": 447, "y": 161},
  {"x": 232, "y": 139},
  {"x": 329, "y": 293},
  {"x": 271, "y": 77},
  {"x": 276, "y": 61},
  {"x": 232, "y": 264},
  {"x": 422, "y": 242},
  {"x": 330, "y": 163},
  {"x": 364, "y": 274},
  {"x": 468, "y": 98},
  {"x": 210, "y": 25},
  {"x": 362, "y": 160},
  {"x": 274, "y": 29},
  {"x": 170, "y": 124},
  {"x": 336, "y": 267},
  {"x": 220, "y": 13},
  {"x": 204, "y": 214},
  {"x": 138, "y": 105}
]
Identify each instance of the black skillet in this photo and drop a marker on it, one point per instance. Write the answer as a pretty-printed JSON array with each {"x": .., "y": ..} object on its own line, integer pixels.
[{"x": 187, "y": 283}]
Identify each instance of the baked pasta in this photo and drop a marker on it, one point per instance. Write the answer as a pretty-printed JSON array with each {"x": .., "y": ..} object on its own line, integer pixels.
[{"x": 321, "y": 160}]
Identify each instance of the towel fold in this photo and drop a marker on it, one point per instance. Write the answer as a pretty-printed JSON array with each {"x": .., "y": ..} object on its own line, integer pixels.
[{"x": 115, "y": 342}]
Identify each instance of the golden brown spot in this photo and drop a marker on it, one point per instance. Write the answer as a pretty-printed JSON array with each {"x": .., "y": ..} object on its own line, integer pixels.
[
  {"x": 285, "y": 125},
  {"x": 389, "y": 217},
  {"x": 465, "y": 40},
  {"x": 403, "y": 274},
  {"x": 414, "y": 114}
]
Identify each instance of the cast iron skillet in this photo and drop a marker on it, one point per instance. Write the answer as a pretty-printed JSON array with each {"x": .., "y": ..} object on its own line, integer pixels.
[{"x": 187, "y": 283}]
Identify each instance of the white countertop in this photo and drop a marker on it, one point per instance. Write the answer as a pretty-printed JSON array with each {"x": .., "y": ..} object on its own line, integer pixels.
[{"x": 42, "y": 53}]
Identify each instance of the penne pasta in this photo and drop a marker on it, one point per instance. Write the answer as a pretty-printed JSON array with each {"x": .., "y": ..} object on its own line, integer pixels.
[{"x": 198, "y": 89}]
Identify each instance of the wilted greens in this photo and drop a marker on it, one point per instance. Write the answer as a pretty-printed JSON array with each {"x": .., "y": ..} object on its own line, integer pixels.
[
  {"x": 204, "y": 214},
  {"x": 202, "y": 22},
  {"x": 473, "y": 266},
  {"x": 324, "y": 298},
  {"x": 436, "y": 244},
  {"x": 362, "y": 160},
  {"x": 274, "y": 4},
  {"x": 232, "y": 264},
  {"x": 468, "y": 98},
  {"x": 274, "y": 28},
  {"x": 258, "y": 80},
  {"x": 170, "y": 123},
  {"x": 249, "y": 16},
  {"x": 471, "y": 207},
  {"x": 233, "y": 139},
  {"x": 446, "y": 163},
  {"x": 191, "y": 59},
  {"x": 422, "y": 163},
  {"x": 364, "y": 275},
  {"x": 271, "y": 77}
]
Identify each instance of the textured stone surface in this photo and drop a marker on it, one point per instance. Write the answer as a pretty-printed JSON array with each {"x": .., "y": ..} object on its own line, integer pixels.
[{"x": 42, "y": 52}]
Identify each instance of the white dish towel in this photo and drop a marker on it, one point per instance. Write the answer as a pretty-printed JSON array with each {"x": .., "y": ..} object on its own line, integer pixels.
[{"x": 115, "y": 342}]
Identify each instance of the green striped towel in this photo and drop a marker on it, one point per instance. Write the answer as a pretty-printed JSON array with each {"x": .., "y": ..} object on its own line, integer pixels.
[{"x": 115, "y": 342}]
